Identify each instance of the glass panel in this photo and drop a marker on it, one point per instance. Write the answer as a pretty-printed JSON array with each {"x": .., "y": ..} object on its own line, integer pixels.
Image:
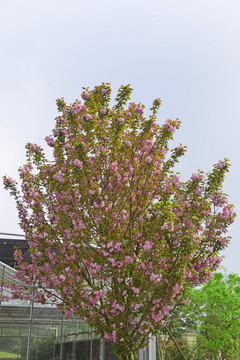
[
  {"x": 42, "y": 342},
  {"x": 13, "y": 343}
]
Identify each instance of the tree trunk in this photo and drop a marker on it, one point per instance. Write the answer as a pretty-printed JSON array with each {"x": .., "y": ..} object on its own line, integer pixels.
[{"x": 160, "y": 348}]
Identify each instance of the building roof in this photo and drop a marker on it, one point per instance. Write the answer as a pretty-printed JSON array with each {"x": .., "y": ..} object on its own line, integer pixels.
[{"x": 7, "y": 248}]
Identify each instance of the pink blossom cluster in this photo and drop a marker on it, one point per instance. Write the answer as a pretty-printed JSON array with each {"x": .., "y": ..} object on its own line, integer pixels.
[{"x": 169, "y": 125}]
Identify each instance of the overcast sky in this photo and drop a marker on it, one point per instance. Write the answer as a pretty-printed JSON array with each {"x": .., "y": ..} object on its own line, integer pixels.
[{"x": 185, "y": 52}]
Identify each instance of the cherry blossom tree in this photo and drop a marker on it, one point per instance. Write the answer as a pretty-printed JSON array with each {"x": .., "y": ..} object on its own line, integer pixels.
[{"x": 115, "y": 235}]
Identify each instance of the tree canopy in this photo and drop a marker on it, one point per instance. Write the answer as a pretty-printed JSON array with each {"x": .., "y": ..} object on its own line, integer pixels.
[
  {"x": 214, "y": 310},
  {"x": 115, "y": 235}
]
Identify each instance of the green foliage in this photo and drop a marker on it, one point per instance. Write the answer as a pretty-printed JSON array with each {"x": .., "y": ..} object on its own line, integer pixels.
[
  {"x": 175, "y": 354},
  {"x": 41, "y": 348},
  {"x": 7, "y": 355},
  {"x": 214, "y": 311}
]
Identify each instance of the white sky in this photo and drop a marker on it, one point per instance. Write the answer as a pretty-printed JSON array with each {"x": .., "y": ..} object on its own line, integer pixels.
[{"x": 185, "y": 52}]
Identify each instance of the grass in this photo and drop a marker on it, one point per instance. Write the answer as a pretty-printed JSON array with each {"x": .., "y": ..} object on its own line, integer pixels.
[{"x": 7, "y": 355}]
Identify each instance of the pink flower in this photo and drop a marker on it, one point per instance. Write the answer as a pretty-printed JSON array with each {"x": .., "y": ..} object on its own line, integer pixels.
[
  {"x": 136, "y": 306},
  {"x": 78, "y": 163},
  {"x": 128, "y": 143},
  {"x": 102, "y": 204},
  {"x": 85, "y": 95},
  {"x": 164, "y": 227},
  {"x": 56, "y": 132},
  {"x": 114, "y": 164},
  {"x": 124, "y": 214},
  {"x": 196, "y": 177},
  {"x": 157, "y": 317},
  {"x": 59, "y": 177},
  {"x": 88, "y": 117},
  {"x": 77, "y": 108},
  {"x": 128, "y": 114},
  {"x": 102, "y": 293},
  {"x": 118, "y": 246},
  {"x": 155, "y": 277},
  {"x": 169, "y": 127},
  {"x": 108, "y": 336},
  {"x": 147, "y": 246},
  {"x": 110, "y": 244},
  {"x": 220, "y": 165},
  {"x": 175, "y": 180},
  {"x": 139, "y": 110},
  {"x": 49, "y": 140},
  {"x": 135, "y": 290},
  {"x": 223, "y": 242},
  {"x": 103, "y": 91},
  {"x": 166, "y": 309},
  {"x": 177, "y": 289},
  {"x": 103, "y": 111},
  {"x": 8, "y": 181},
  {"x": 121, "y": 120},
  {"x": 128, "y": 259},
  {"x": 114, "y": 336},
  {"x": 148, "y": 159}
]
